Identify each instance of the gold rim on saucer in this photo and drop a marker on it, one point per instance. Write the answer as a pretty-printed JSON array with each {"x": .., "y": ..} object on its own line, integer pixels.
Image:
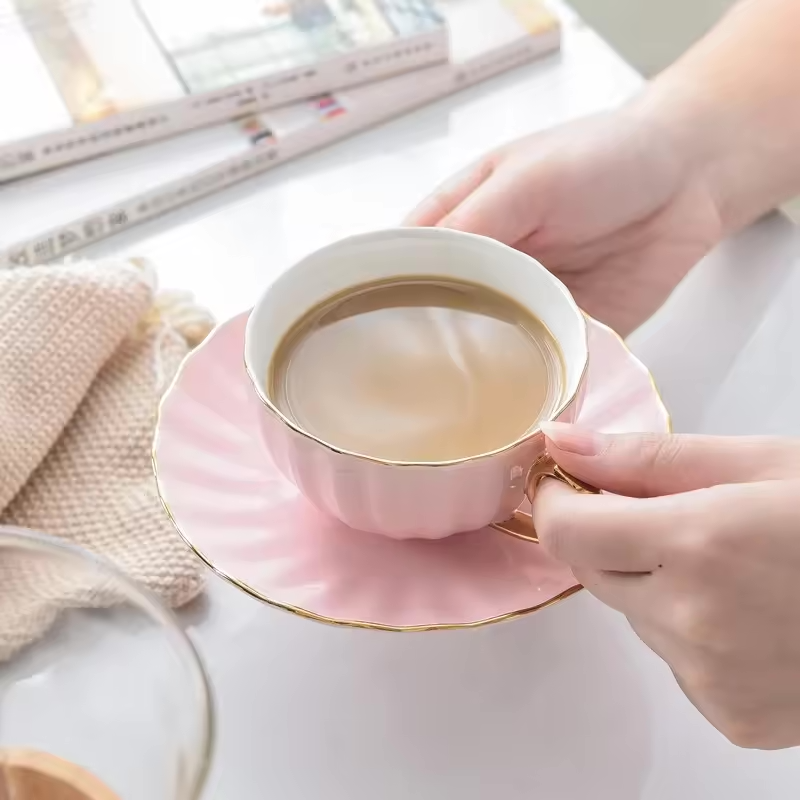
[{"x": 353, "y": 623}]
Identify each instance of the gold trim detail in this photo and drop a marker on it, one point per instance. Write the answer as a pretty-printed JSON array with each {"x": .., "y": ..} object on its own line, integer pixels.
[
  {"x": 520, "y": 526},
  {"x": 347, "y": 623},
  {"x": 624, "y": 344}
]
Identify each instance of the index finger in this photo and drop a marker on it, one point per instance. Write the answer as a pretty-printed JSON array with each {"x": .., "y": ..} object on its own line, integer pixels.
[
  {"x": 449, "y": 195},
  {"x": 604, "y": 531}
]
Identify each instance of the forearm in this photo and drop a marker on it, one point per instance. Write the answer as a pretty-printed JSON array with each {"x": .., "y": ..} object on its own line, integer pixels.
[{"x": 732, "y": 104}]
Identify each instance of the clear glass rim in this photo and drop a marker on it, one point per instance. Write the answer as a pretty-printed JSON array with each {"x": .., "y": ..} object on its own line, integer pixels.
[{"x": 36, "y": 542}]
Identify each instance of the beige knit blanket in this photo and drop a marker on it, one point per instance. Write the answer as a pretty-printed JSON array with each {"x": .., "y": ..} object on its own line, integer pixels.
[{"x": 86, "y": 350}]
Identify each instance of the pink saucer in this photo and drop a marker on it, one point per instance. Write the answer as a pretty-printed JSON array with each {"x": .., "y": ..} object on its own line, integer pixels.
[{"x": 252, "y": 527}]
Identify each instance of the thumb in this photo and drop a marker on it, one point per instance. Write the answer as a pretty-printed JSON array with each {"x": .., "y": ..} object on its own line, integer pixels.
[
  {"x": 435, "y": 208},
  {"x": 487, "y": 198},
  {"x": 502, "y": 207},
  {"x": 649, "y": 465}
]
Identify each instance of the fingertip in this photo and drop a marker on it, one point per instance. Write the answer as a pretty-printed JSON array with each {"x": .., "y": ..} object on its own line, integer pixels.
[
  {"x": 549, "y": 514},
  {"x": 551, "y": 487},
  {"x": 426, "y": 215},
  {"x": 472, "y": 217},
  {"x": 437, "y": 206},
  {"x": 585, "y": 469},
  {"x": 454, "y": 222},
  {"x": 573, "y": 439}
]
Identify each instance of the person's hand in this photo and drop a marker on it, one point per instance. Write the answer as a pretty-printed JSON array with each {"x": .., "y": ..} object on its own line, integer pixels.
[
  {"x": 609, "y": 204},
  {"x": 699, "y": 546}
]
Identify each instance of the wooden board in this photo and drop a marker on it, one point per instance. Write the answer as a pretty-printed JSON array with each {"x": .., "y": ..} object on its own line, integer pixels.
[{"x": 32, "y": 775}]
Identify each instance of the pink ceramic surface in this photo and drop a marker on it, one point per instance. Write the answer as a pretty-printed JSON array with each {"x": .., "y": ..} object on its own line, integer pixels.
[
  {"x": 401, "y": 499},
  {"x": 248, "y": 522}
]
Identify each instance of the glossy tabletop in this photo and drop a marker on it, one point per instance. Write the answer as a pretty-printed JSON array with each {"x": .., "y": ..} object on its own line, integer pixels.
[{"x": 561, "y": 705}]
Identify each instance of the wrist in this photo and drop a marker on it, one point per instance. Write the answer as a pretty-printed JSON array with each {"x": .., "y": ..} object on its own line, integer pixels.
[
  {"x": 690, "y": 127},
  {"x": 729, "y": 107}
]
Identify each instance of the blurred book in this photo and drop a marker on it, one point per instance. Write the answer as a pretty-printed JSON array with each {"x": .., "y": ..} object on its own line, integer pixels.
[
  {"x": 86, "y": 77},
  {"x": 54, "y": 214}
]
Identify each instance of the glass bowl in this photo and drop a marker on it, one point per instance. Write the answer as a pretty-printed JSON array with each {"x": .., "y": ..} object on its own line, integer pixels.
[{"x": 102, "y": 695}]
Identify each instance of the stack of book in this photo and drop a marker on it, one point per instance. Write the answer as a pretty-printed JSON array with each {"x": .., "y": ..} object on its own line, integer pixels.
[{"x": 129, "y": 108}]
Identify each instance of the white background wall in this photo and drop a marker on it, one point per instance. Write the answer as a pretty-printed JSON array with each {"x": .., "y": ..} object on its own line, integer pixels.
[{"x": 651, "y": 33}]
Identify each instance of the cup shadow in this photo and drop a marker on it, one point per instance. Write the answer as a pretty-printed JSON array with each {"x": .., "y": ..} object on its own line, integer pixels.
[{"x": 543, "y": 707}]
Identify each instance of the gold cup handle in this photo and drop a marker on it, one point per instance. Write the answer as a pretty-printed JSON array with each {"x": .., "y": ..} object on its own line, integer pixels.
[{"x": 521, "y": 524}]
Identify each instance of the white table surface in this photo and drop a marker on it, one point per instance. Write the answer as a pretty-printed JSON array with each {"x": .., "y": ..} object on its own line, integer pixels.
[{"x": 564, "y": 704}]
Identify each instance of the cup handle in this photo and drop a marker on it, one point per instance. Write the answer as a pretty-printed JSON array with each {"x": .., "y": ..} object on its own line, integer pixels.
[{"x": 520, "y": 525}]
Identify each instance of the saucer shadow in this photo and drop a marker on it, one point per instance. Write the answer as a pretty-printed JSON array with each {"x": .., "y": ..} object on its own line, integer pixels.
[{"x": 548, "y": 707}]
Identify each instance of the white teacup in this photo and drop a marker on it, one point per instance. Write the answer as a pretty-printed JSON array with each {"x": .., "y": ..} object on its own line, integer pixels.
[{"x": 406, "y": 499}]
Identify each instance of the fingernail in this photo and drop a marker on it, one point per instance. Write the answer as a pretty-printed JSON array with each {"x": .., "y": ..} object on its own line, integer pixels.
[{"x": 572, "y": 439}]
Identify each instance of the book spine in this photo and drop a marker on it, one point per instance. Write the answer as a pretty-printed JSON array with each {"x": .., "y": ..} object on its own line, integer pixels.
[
  {"x": 138, "y": 126},
  {"x": 438, "y": 82}
]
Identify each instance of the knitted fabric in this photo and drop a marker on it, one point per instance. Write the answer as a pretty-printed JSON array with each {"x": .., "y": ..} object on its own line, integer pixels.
[{"x": 86, "y": 350}]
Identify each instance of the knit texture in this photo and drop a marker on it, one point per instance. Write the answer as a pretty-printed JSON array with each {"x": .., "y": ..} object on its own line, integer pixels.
[{"x": 86, "y": 350}]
